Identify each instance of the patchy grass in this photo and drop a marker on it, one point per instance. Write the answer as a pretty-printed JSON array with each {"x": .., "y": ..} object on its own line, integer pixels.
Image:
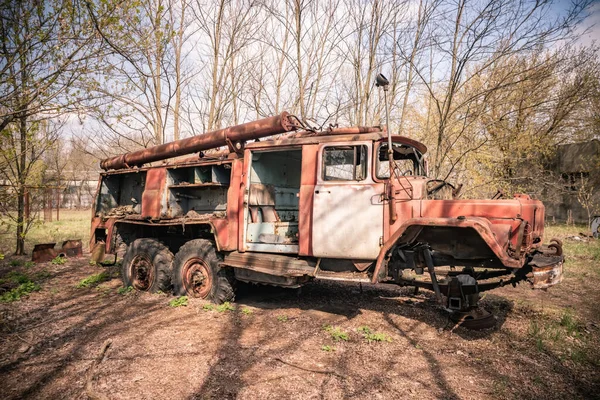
[
  {"x": 22, "y": 290},
  {"x": 125, "y": 290},
  {"x": 371, "y": 336},
  {"x": 282, "y": 318},
  {"x": 58, "y": 260},
  {"x": 208, "y": 307},
  {"x": 181, "y": 301},
  {"x": 327, "y": 348},
  {"x": 563, "y": 336},
  {"x": 246, "y": 311},
  {"x": 93, "y": 280},
  {"x": 73, "y": 224},
  {"x": 336, "y": 333},
  {"x": 225, "y": 307},
  {"x": 24, "y": 286}
]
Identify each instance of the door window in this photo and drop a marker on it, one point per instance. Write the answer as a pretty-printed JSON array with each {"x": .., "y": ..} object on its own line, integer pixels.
[{"x": 345, "y": 163}]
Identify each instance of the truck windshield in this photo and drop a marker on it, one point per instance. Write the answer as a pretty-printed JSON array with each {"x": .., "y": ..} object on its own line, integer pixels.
[{"x": 408, "y": 161}]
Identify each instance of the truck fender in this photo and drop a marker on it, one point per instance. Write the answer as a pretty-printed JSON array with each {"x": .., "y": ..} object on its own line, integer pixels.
[{"x": 481, "y": 225}]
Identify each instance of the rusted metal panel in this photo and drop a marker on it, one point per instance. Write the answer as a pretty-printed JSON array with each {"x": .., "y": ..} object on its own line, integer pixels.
[
  {"x": 72, "y": 248},
  {"x": 233, "y": 205},
  {"x": 308, "y": 180},
  {"x": 43, "y": 252},
  {"x": 274, "y": 264},
  {"x": 481, "y": 225},
  {"x": 156, "y": 180},
  {"x": 248, "y": 131}
]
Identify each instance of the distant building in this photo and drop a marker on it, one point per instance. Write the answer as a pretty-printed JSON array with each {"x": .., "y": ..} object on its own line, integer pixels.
[{"x": 577, "y": 164}]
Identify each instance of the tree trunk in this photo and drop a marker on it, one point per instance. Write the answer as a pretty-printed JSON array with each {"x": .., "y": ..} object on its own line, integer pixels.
[{"x": 20, "y": 250}]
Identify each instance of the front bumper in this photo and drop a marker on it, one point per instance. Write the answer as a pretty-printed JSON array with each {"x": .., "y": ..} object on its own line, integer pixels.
[{"x": 547, "y": 266}]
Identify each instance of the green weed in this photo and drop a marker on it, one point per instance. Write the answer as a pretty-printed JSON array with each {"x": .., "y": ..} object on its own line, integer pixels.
[
  {"x": 337, "y": 334},
  {"x": 29, "y": 264},
  {"x": 59, "y": 260},
  {"x": 93, "y": 280},
  {"x": 208, "y": 307},
  {"x": 371, "y": 336},
  {"x": 125, "y": 290},
  {"x": 246, "y": 311},
  {"x": 22, "y": 290},
  {"x": 225, "y": 307},
  {"x": 282, "y": 318},
  {"x": 569, "y": 323},
  {"x": 17, "y": 277},
  {"x": 15, "y": 263},
  {"x": 181, "y": 301},
  {"x": 327, "y": 348}
]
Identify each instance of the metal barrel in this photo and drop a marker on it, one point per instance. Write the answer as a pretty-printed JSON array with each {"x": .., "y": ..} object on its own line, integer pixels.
[{"x": 281, "y": 123}]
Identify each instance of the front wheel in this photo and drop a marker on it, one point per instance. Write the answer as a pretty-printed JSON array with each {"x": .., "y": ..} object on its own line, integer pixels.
[
  {"x": 196, "y": 273},
  {"x": 147, "y": 266}
]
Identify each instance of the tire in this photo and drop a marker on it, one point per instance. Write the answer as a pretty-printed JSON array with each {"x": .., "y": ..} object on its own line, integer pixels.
[
  {"x": 147, "y": 266},
  {"x": 196, "y": 273}
]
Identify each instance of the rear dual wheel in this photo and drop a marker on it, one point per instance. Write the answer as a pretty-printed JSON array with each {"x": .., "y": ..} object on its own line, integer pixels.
[
  {"x": 147, "y": 266},
  {"x": 196, "y": 273}
]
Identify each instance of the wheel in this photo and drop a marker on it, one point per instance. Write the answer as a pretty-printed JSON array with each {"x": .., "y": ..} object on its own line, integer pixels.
[
  {"x": 196, "y": 273},
  {"x": 147, "y": 266}
]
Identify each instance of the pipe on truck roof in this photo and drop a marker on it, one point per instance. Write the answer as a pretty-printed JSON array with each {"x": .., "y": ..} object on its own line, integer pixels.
[{"x": 281, "y": 123}]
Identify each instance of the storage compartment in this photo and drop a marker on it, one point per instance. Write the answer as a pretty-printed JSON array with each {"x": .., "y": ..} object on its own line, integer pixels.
[
  {"x": 122, "y": 191},
  {"x": 195, "y": 191}
]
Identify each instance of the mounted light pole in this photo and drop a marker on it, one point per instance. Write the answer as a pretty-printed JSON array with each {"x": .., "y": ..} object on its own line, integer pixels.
[{"x": 382, "y": 82}]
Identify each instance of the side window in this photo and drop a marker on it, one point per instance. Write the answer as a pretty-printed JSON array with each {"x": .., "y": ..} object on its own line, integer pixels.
[{"x": 345, "y": 163}]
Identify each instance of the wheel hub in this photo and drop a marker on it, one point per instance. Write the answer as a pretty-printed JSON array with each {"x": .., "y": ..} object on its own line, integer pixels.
[
  {"x": 474, "y": 319},
  {"x": 142, "y": 272},
  {"x": 197, "y": 278}
]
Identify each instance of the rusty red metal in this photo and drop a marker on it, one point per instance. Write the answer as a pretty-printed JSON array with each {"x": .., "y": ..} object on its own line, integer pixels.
[
  {"x": 72, "y": 248},
  {"x": 152, "y": 196},
  {"x": 44, "y": 252},
  {"x": 252, "y": 130},
  {"x": 308, "y": 180}
]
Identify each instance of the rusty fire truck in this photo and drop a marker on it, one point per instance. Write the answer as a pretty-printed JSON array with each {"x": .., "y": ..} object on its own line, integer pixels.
[{"x": 348, "y": 204}]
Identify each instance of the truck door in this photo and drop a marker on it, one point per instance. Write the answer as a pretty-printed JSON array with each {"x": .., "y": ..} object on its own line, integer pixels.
[{"x": 348, "y": 206}]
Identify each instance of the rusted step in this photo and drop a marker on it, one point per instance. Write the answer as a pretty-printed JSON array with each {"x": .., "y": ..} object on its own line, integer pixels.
[{"x": 343, "y": 276}]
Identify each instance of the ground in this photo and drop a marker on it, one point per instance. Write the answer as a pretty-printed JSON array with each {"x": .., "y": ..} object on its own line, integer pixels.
[{"x": 275, "y": 343}]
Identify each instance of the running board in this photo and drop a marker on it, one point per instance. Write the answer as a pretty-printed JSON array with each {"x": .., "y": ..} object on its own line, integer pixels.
[
  {"x": 272, "y": 264},
  {"x": 342, "y": 276}
]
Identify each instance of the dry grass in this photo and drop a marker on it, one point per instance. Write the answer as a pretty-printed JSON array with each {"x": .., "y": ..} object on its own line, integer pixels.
[{"x": 73, "y": 224}]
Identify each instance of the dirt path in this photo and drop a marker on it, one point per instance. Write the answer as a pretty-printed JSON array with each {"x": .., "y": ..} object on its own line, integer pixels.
[{"x": 273, "y": 345}]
